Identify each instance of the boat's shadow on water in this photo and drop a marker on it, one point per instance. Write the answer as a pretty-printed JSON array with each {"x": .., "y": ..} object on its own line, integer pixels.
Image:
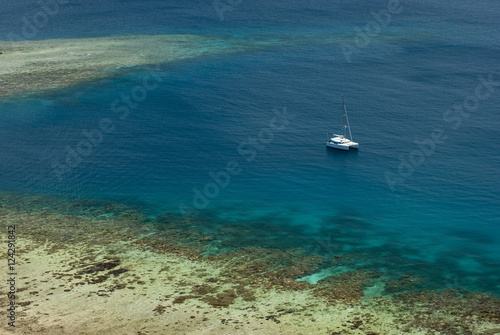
[{"x": 342, "y": 155}]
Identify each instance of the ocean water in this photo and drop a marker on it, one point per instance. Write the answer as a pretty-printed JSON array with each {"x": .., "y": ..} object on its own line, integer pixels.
[{"x": 247, "y": 130}]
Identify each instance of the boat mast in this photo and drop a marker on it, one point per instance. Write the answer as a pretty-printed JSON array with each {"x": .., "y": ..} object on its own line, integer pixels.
[{"x": 346, "y": 120}]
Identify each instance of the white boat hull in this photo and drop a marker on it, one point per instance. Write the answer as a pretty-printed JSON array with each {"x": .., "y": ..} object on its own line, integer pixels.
[
  {"x": 337, "y": 146},
  {"x": 341, "y": 143}
]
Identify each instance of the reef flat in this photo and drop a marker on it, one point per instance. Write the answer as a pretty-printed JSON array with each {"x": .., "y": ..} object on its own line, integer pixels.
[
  {"x": 32, "y": 66},
  {"x": 94, "y": 267}
]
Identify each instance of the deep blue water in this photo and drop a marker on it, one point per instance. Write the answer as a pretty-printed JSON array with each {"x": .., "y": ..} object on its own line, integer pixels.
[{"x": 443, "y": 213}]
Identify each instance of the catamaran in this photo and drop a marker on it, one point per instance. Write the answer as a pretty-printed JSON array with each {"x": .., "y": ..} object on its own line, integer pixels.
[{"x": 342, "y": 142}]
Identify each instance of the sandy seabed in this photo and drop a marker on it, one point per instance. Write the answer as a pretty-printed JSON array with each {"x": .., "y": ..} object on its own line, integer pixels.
[
  {"x": 110, "y": 271},
  {"x": 34, "y": 66}
]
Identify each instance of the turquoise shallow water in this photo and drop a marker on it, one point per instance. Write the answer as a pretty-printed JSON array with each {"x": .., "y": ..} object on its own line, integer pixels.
[{"x": 438, "y": 218}]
